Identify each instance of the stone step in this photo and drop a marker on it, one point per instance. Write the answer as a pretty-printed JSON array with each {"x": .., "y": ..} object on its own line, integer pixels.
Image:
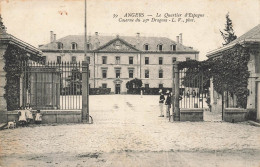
[{"x": 2, "y": 126}]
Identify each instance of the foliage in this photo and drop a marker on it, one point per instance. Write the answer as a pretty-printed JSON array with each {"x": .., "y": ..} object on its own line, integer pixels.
[
  {"x": 195, "y": 73},
  {"x": 14, "y": 58},
  {"x": 74, "y": 83},
  {"x": 228, "y": 33},
  {"x": 229, "y": 72},
  {"x": 99, "y": 91},
  {"x": 134, "y": 83}
]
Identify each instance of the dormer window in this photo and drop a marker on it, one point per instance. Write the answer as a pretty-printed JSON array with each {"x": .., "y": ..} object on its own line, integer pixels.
[
  {"x": 60, "y": 45},
  {"x": 159, "y": 47},
  {"x": 146, "y": 47},
  {"x": 74, "y": 46},
  {"x": 88, "y": 46},
  {"x": 173, "y": 47}
]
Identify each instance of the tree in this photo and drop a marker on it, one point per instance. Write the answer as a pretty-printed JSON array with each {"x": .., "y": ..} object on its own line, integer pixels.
[
  {"x": 228, "y": 33},
  {"x": 134, "y": 84},
  {"x": 74, "y": 83}
]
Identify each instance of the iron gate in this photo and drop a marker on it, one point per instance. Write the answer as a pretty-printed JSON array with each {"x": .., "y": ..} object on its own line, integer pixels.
[
  {"x": 51, "y": 85},
  {"x": 192, "y": 91}
]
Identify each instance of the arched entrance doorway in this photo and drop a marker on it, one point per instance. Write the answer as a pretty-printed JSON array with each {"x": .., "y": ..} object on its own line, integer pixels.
[
  {"x": 117, "y": 88},
  {"x": 117, "y": 83}
]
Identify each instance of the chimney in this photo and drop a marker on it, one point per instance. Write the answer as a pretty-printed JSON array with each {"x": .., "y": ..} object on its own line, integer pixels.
[
  {"x": 96, "y": 43},
  {"x": 181, "y": 38},
  {"x": 51, "y": 36},
  {"x": 138, "y": 38},
  {"x": 177, "y": 39},
  {"x": 54, "y": 37}
]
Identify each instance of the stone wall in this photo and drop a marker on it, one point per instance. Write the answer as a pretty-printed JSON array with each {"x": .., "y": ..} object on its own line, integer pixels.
[
  {"x": 234, "y": 115},
  {"x": 191, "y": 114},
  {"x": 52, "y": 116}
]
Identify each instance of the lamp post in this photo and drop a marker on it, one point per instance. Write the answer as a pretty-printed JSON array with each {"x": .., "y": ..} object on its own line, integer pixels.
[{"x": 85, "y": 76}]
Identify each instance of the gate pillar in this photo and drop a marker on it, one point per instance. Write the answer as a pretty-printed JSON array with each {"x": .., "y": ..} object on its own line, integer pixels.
[
  {"x": 85, "y": 92},
  {"x": 176, "y": 90}
]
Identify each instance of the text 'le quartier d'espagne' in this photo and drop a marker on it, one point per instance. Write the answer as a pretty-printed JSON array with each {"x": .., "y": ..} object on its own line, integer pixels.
[{"x": 160, "y": 17}]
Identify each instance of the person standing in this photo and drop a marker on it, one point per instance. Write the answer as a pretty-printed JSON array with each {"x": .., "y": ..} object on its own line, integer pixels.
[
  {"x": 168, "y": 103},
  {"x": 161, "y": 101}
]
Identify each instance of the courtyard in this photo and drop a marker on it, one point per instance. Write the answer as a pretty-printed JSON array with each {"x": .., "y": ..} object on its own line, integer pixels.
[{"x": 128, "y": 132}]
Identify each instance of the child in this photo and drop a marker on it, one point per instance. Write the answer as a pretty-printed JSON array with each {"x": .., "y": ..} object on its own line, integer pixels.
[
  {"x": 38, "y": 117},
  {"x": 22, "y": 117},
  {"x": 28, "y": 111}
]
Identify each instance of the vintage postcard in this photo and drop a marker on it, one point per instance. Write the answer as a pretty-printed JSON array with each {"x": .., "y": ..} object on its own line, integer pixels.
[{"x": 130, "y": 83}]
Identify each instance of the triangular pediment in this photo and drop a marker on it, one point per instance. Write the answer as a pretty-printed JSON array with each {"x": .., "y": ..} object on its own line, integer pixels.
[{"x": 117, "y": 45}]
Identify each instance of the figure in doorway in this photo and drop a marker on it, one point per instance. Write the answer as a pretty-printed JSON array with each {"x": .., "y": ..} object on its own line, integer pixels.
[{"x": 161, "y": 101}]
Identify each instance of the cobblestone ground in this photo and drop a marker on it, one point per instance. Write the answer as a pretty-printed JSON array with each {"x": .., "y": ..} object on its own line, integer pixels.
[{"x": 128, "y": 132}]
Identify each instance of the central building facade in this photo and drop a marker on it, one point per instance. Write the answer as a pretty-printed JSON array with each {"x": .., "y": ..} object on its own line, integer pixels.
[{"x": 115, "y": 60}]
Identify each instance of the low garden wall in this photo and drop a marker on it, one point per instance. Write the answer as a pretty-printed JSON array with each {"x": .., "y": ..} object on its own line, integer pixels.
[
  {"x": 191, "y": 114},
  {"x": 234, "y": 114},
  {"x": 148, "y": 91},
  {"x": 51, "y": 116}
]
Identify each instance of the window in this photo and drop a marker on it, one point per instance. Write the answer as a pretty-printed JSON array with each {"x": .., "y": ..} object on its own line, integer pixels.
[
  {"x": 117, "y": 73},
  {"x": 173, "y": 47},
  {"x": 104, "y": 73},
  {"x": 160, "y": 60},
  {"x": 73, "y": 59},
  {"x": 74, "y": 46},
  {"x": 187, "y": 58},
  {"x": 146, "y": 60},
  {"x": 131, "y": 73},
  {"x": 44, "y": 59},
  {"x": 131, "y": 60},
  {"x": 104, "y": 60},
  {"x": 160, "y": 86},
  {"x": 104, "y": 85},
  {"x": 88, "y": 59},
  {"x": 146, "y": 47},
  {"x": 58, "y": 59},
  {"x": 117, "y": 60},
  {"x": 88, "y": 46},
  {"x": 146, "y": 85},
  {"x": 146, "y": 73},
  {"x": 160, "y": 73},
  {"x": 60, "y": 45},
  {"x": 159, "y": 47},
  {"x": 174, "y": 59}
]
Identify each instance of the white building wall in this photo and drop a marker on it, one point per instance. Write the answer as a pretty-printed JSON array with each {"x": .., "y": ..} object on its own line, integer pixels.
[{"x": 138, "y": 66}]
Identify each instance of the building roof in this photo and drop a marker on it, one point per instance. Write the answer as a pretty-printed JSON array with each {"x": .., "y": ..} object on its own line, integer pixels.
[
  {"x": 99, "y": 41},
  {"x": 9, "y": 39},
  {"x": 252, "y": 36}
]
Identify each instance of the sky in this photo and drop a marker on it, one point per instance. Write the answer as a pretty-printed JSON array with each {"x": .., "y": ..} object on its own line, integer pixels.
[{"x": 32, "y": 20}]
